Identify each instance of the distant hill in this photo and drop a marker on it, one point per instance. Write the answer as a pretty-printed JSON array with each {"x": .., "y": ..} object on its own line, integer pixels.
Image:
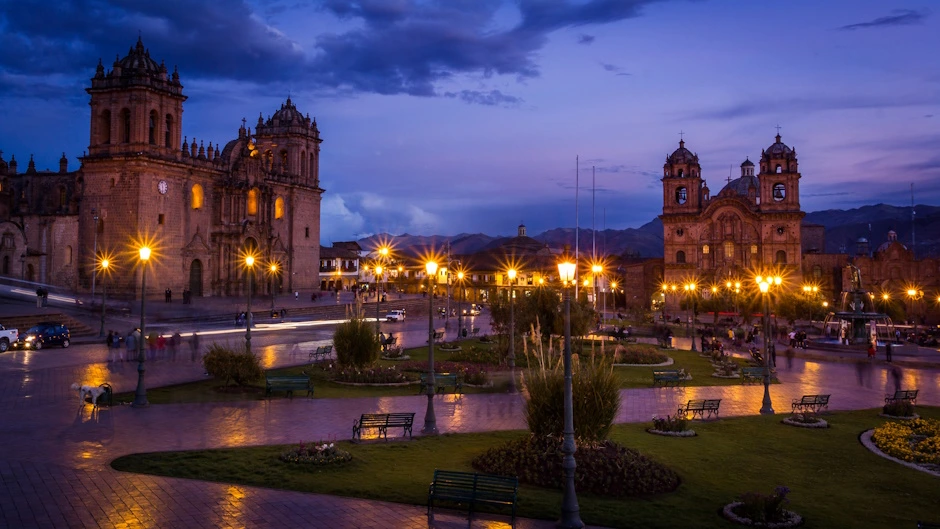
[{"x": 843, "y": 229}]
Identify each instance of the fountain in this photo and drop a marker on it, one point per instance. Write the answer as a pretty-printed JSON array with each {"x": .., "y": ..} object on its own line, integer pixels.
[{"x": 856, "y": 323}]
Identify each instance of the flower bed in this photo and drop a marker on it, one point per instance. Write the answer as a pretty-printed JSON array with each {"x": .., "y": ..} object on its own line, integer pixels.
[
  {"x": 671, "y": 426},
  {"x": 639, "y": 355},
  {"x": 805, "y": 420},
  {"x": 473, "y": 375},
  {"x": 917, "y": 441},
  {"x": 374, "y": 375},
  {"x": 791, "y": 519},
  {"x": 319, "y": 454},
  {"x": 763, "y": 510}
]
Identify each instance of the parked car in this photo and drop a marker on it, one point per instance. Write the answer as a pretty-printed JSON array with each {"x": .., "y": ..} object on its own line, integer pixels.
[
  {"x": 7, "y": 338},
  {"x": 44, "y": 335},
  {"x": 395, "y": 315}
]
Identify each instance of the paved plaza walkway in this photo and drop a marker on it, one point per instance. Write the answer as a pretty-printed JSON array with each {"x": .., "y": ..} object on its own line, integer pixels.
[{"x": 54, "y": 463}]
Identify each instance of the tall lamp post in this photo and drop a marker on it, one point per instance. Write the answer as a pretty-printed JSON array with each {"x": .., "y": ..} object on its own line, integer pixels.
[
  {"x": 401, "y": 271},
  {"x": 103, "y": 265},
  {"x": 460, "y": 276},
  {"x": 430, "y": 422},
  {"x": 377, "y": 271},
  {"x": 914, "y": 294},
  {"x": 764, "y": 283},
  {"x": 570, "y": 511},
  {"x": 273, "y": 269},
  {"x": 596, "y": 270},
  {"x": 140, "y": 396},
  {"x": 512, "y": 330},
  {"x": 94, "y": 275},
  {"x": 250, "y": 266},
  {"x": 690, "y": 295}
]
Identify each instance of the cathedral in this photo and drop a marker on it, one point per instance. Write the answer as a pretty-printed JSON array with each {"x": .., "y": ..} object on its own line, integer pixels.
[
  {"x": 752, "y": 225},
  {"x": 202, "y": 207}
]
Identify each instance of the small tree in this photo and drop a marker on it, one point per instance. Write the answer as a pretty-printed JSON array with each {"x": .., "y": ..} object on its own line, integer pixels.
[
  {"x": 356, "y": 343},
  {"x": 230, "y": 365}
]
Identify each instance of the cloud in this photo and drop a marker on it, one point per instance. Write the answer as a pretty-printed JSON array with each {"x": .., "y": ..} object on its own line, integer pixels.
[
  {"x": 586, "y": 39},
  {"x": 808, "y": 104},
  {"x": 337, "y": 219},
  {"x": 613, "y": 68},
  {"x": 491, "y": 98},
  {"x": 901, "y": 17}
]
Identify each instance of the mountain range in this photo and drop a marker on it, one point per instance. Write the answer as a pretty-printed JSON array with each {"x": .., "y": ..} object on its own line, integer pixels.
[{"x": 843, "y": 230}]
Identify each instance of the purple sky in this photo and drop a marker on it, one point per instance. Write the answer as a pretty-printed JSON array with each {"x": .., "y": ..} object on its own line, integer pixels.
[{"x": 450, "y": 116}]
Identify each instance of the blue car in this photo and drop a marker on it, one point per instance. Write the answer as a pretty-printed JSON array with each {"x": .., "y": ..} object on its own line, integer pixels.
[{"x": 44, "y": 335}]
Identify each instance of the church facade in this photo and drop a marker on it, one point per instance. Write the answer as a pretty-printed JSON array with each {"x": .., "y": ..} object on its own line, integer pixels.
[
  {"x": 203, "y": 208},
  {"x": 752, "y": 225}
]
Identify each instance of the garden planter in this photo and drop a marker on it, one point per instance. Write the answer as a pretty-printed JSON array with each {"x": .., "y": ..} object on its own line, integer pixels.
[
  {"x": 820, "y": 423},
  {"x": 792, "y": 519},
  {"x": 683, "y": 433}
]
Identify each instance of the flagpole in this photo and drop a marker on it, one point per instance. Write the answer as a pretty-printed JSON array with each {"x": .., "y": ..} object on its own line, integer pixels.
[{"x": 577, "y": 220}]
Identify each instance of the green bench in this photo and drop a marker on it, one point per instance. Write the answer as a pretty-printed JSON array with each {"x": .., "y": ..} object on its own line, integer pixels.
[
  {"x": 441, "y": 382},
  {"x": 908, "y": 395},
  {"x": 287, "y": 383},
  {"x": 382, "y": 422},
  {"x": 702, "y": 408},
  {"x": 438, "y": 337},
  {"x": 473, "y": 489},
  {"x": 813, "y": 403},
  {"x": 665, "y": 377},
  {"x": 322, "y": 352},
  {"x": 754, "y": 374}
]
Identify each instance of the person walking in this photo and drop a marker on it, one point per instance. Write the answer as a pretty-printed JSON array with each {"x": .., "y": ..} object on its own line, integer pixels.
[
  {"x": 888, "y": 347},
  {"x": 107, "y": 342},
  {"x": 116, "y": 346},
  {"x": 194, "y": 347},
  {"x": 168, "y": 294},
  {"x": 871, "y": 351},
  {"x": 130, "y": 343},
  {"x": 175, "y": 342}
]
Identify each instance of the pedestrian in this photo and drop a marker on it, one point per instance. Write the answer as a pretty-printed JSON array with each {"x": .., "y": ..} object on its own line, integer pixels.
[
  {"x": 871, "y": 351},
  {"x": 175, "y": 342},
  {"x": 116, "y": 345},
  {"x": 107, "y": 342},
  {"x": 168, "y": 294},
  {"x": 194, "y": 347},
  {"x": 896, "y": 377},
  {"x": 773, "y": 353},
  {"x": 888, "y": 347},
  {"x": 296, "y": 295},
  {"x": 130, "y": 343},
  {"x": 39, "y": 297},
  {"x": 151, "y": 345},
  {"x": 897, "y": 336}
]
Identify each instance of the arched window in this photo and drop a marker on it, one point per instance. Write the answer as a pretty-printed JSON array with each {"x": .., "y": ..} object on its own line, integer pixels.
[
  {"x": 68, "y": 255},
  {"x": 779, "y": 169},
  {"x": 168, "y": 133},
  {"x": 104, "y": 126},
  {"x": 729, "y": 250},
  {"x": 6, "y": 265},
  {"x": 681, "y": 195},
  {"x": 753, "y": 248},
  {"x": 780, "y": 191},
  {"x": 63, "y": 197},
  {"x": 268, "y": 159},
  {"x": 680, "y": 257},
  {"x": 817, "y": 272},
  {"x": 152, "y": 128},
  {"x": 279, "y": 208},
  {"x": 705, "y": 249},
  {"x": 781, "y": 257},
  {"x": 311, "y": 166},
  {"x": 253, "y": 202},
  {"x": 198, "y": 197},
  {"x": 303, "y": 163},
  {"x": 125, "y": 126},
  {"x": 679, "y": 174},
  {"x": 284, "y": 168}
]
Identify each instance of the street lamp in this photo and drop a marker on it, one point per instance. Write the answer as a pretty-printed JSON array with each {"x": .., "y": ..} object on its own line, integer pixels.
[
  {"x": 764, "y": 283},
  {"x": 460, "y": 276},
  {"x": 596, "y": 270},
  {"x": 273, "y": 269},
  {"x": 250, "y": 266},
  {"x": 570, "y": 512},
  {"x": 512, "y": 330},
  {"x": 140, "y": 396},
  {"x": 377, "y": 271},
  {"x": 103, "y": 265},
  {"x": 690, "y": 294},
  {"x": 94, "y": 275},
  {"x": 401, "y": 270},
  {"x": 430, "y": 423},
  {"x": 914, "y": 294}
]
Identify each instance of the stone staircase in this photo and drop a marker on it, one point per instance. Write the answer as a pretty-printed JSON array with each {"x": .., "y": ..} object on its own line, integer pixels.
[{"x": 23, "y": 323}]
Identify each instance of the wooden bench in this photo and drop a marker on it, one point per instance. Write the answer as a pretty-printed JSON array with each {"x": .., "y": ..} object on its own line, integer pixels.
[
  {"x": 473, "y": 489},
  {"x": 813, "y": 403},
  {"x": 702, "y": 408},
  {"x": 908, "y": 395},
  {"x": 665, "y": 377},
  {"x": 382, "y": 422},
  {"x": 441, "y": 381},
  {"x": 323, "y": 352},
  {"x": 288, "y": 383}
]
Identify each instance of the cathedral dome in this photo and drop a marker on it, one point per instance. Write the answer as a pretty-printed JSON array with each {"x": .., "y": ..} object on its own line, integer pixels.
[
  {"x": 288, "y": 114},
  {"x": 778, "y": 149},
  {"x": 138, "y": 58},
  {"x": 682, "y": 155},
  {"x": 747, "y": 163},
  {"x": 742, "y": 186}
]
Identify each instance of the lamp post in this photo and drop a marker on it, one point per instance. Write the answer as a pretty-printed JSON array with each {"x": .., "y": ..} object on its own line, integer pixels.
[
  {"x": 764, "y": 283},
  {"x": 512, "y": 330},
  {"x": 460, "y": 276},
  {"x": 377, "y": 271},
  {"x": 94, "y": 275},
  {"x": 250, "y": 266},
  {"x": 104, "y": 293},
  {"x": 401, "y": 270},
  {"x": 273, "y": 269},
  {"x": 690, "y": 295},
  {"x": 430, "y": 422},
  {"x": 914, "y": 294},
  {"x": 570, "y": 511},
  {"x": 596, "y": 270},
  {"x": 140, "y": 396}
]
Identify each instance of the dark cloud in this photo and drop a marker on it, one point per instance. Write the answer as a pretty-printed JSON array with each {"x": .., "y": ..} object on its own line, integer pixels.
[
  {"x": 586, "y": 39},
  {"x": 613, "y": 68},
  {"x": 901, "y": 17},
  {"x": 813, "y": 104},
  {"x": 491, "y": 98}
]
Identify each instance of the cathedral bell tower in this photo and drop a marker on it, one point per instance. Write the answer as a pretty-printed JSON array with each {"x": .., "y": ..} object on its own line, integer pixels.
[
  {"x": 682, "y": 182},
  {"x": 779, "y": 178}
]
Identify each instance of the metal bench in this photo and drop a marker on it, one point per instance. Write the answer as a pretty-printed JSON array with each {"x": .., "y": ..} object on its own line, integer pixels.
[
  {"x": 702, "y": 408},
  {"x": 813, "y": 403},
  {"x": 288, "y": 383},
  {"x": 473, "y": 489},
  {"x": 322, "y": 352},
  {"x": 665, "y": 377},
  {"x": 475, "y": 331},
  {"x": 382, "y": 422},
  {"x": 388, "y": 342},
  {"x": 907, "y": 395},
  {"x": 441, "y": 382},
  {"x": 755, "y": 374},
  {"x": 438, "y": 336}
]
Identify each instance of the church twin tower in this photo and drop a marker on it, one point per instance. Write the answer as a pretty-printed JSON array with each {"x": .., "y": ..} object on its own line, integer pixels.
[{"x": 751, "y": 226}]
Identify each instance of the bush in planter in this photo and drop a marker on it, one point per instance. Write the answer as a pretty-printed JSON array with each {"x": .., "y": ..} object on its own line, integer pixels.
[
  {"x": 899, "y": 408},
  {"x": 638, "y": 355},
  {"x": 804, "y": 417},
  {"x": 477, "y": 355},
  {"x": 764, "y": 508},
  {"x": 355, "y": 343},
  {"x": 229, "y": 365},
  {"x": 675, "y": 423}
]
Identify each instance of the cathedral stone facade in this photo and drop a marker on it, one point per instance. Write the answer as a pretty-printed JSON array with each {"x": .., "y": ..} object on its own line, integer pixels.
[
  {"x": 752, "y": 225},
  {"x": 202, "y": 207}
]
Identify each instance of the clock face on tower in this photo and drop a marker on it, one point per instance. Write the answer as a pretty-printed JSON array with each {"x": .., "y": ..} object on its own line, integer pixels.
[{"x": 162, "y": 187}]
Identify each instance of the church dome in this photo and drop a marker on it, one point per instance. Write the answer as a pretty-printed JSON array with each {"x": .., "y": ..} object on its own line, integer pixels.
[
  {"x": 682, "y": 155},
  {"x": 741, "y": 186},
  {"x": 138, "y": 58},
  {"x": 288, "y": 114},
  {"x": 747, "y": 163},
  {"x": 778, "y": 149}
]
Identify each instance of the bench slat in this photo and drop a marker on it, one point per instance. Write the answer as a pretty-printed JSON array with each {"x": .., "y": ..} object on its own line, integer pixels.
[{"x": 471, "y": 488}]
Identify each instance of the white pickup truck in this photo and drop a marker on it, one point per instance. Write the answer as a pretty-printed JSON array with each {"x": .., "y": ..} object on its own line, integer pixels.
[
  {"x": 395, "y": 315},
  {"x": 7, "y": 338}
]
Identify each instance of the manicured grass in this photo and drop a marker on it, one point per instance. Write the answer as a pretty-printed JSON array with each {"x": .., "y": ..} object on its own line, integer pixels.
[
  {"x": 699, "y": 367},
  {"x": 835, "y": 481}
]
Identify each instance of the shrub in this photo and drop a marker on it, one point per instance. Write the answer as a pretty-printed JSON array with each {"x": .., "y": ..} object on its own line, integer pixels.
[
  {"x": 477, "y": 355},
  {"x": 375, "y": 375},
  {"x": 805, "y": 417},
  {"x": 476, "y": 375},
  {"x": 899, "y": 408},
  {"x": 228, "y": 365},
  {"x": 674, "y": 423},
  {"x": 316, "y": 454},
  {"x": 728, "y": 368},
  {"x": 594, "y": 385},
  {"x": 764, "y": 508},
  {"x": 638, "y": 355},
  {"x": 604, "y": 468},
  {"x": 356, "y": 343}
]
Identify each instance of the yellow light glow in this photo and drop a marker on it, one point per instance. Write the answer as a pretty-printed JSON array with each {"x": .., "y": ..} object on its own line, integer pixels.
[
  {"x": 764, "y": 287},
  {"x": 566, "y": 271},
  {"x": 885, "y": 296},
  {"x": 586, "y": 282},
  {"x": 728, "y": 284},
  {"x": 378, "y": 270},
  {"x": 400, "y": 269},
  {"x": 597, "y": 268},
  {"x": 825, "y": 303},
  {"x": 249, "y": 261},
  {"x": 714, "y": 290},
  {"x": 911, "y": 292},
  {"x": 613, "y": 284},
  {"x": 459, "y": 274},
  {"x": 105, "y": 263},
  {"x": 737, "y": 284},
  {"x": 384, "y": 251},
  {"x": 431, "y": 267},
  {"x": 512, "y": 274},
  {"x": 273, "y": 267},
  {"x": 778, "y": 280},
  {"x": 144, "y": 253},
  {"x": 759, "y": 279}
]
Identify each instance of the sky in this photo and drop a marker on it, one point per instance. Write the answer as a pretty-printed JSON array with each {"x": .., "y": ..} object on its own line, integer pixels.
[{"x": 443, "y": 117}]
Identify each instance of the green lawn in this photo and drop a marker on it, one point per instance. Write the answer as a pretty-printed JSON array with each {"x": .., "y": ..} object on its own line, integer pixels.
[{"x": 835, "y": 481}]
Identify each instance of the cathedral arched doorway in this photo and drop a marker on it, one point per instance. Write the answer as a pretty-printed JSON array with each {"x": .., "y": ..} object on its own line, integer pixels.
[
  {"x": 30, "y": 273},
  {"x": 195, "y": 278}
]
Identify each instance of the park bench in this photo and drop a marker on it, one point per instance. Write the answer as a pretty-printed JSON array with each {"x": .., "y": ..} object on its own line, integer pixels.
[
  {"x": 438, "y": 336},
  {"x": 813, "y": 403},
  {"x": 388, "y": 342},
  {"x": 752, "y": 374},
  {"x": 382, "y": 422},
  {"x": 322, "y": 352},
  {"x": 473, "y": 489},
  {"x": 702, "y": 408},
  {"x": 908, "y": 395},
  {"x": 288, "y": 383},
  {"x": 441, "y": 381},
  {"x": 665, "y": 377},
  {"x": 475, "y": 331}
]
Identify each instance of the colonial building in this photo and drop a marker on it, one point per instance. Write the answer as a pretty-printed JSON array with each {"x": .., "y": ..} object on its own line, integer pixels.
[
  {"x": 751, "y": 224},
  {"x": 203, "y": 207}
]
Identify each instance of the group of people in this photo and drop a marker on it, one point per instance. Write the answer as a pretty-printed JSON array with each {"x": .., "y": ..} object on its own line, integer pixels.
[
  {"x": 187, "y": 296},
  {"x": 155, "y": 343},
  {"x": 797, "y": 339},
  {"x": 42, "y": 297}
]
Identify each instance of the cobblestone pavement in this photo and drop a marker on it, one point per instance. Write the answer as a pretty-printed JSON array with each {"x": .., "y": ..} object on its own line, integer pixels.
[{"x": 54, "y": 466}]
